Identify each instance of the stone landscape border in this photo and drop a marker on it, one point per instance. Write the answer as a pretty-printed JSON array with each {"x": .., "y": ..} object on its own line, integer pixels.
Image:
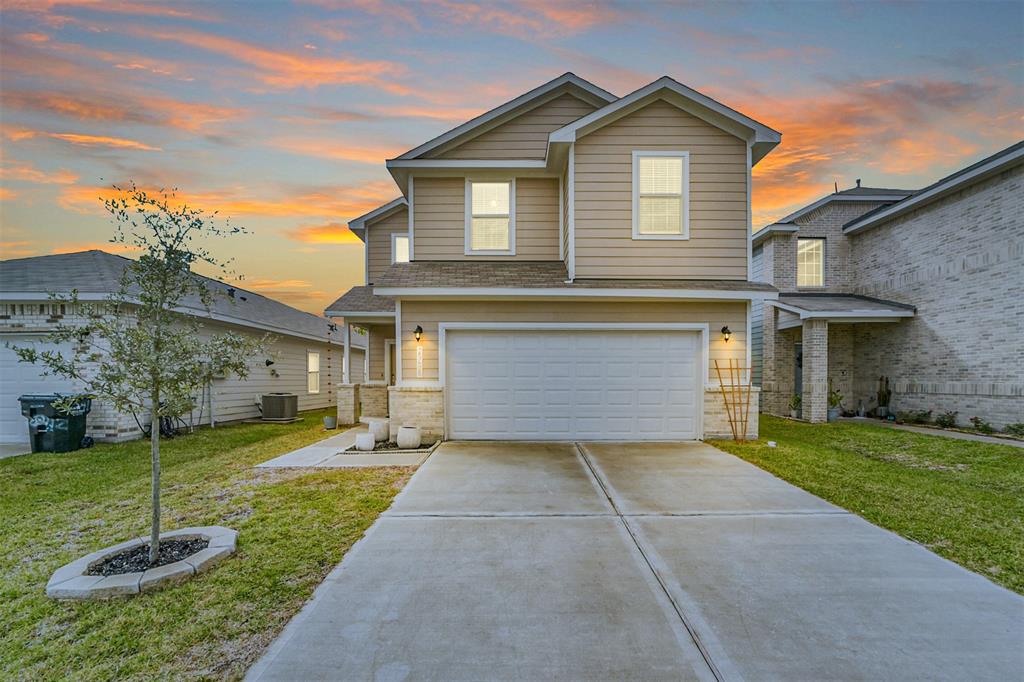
[
  {"x": 351, "y": 450},
  {"x": 72, "y": 580}
]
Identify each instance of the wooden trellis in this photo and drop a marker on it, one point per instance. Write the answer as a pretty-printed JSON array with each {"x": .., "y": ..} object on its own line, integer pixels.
[{"x": 736, "y": 394}]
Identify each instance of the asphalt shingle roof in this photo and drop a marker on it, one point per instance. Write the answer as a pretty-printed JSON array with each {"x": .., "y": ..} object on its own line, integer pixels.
[
  {"x": 362, "y": 300},
  {"x": 532, "y": 275},
  {"x": 841, "y": 303},
  {"x": 99, "y": 272}
]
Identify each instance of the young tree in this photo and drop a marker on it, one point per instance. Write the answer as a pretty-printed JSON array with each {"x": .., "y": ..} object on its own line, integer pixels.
[{"x": 138, "y": 351}]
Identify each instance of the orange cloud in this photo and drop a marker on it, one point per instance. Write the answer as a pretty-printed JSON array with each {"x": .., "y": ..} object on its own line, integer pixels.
[
  {"x": 7, "y": 194},
  {"x": 333, "y": 150},
  {"x": 157, "y": 111},
  {"x": 528, "y": 18},
  {"x": 262, "y": 284},
  {"x": 343, "y": 202},
  {"x": 26, "y": 172},
  {"x": 331, "y": 233},
  {"x": 102, "y": 141},
  {"x": 16, "y": 249},
  {"x": 899, "y": 127},
  {"x": 286, "y": 70}
]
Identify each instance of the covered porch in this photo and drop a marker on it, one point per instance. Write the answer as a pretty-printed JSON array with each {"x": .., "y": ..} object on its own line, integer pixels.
[
  {"x": 811, "y": 340},
  {"x": 364, "y": 394}
]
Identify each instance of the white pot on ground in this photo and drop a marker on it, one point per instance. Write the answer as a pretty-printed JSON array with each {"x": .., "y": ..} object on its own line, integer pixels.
[
  {"x": 365, "y": 442},
  {"x": 409, "y": 437},
  {"x": 380, "y": 428}
]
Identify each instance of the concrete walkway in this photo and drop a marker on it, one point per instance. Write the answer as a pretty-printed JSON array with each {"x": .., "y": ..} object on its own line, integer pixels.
[
  {"x": 504, "y": 561},
  {"x": 327, "y": 454},
  {"x": 13, "y": 450},
  {"x": 955, "y": 435}
]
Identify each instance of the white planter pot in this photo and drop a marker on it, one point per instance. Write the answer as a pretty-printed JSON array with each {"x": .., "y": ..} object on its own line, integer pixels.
[
  {"x": 409, "y": 437},
  {"x": 365, "y": 442},
  {"x": 380, "y": 428}
]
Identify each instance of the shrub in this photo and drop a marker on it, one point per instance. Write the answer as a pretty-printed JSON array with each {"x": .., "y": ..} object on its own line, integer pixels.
[
  {"x": 1016, "y": 429},
  {"x": 912, "y": 417},
  {"x": 946, "y": 420},
  {"x": 981, "y": 425}
]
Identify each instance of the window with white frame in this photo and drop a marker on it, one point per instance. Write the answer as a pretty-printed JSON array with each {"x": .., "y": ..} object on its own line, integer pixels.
[
  {"x": 490, "y": 217},
  {"x": 399, "y": 248},
  {"x": 661, "y": 195},
  {"x": 810, "y": 262},
  {"x": 312, "y": 372}
]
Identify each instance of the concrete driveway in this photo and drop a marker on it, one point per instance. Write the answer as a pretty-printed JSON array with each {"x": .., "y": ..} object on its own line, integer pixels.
[{"x": 521, "y": 561}]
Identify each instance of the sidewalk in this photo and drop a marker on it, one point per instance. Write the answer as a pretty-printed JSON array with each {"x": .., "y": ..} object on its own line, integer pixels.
[
  {"x": 328, "y": 453},
  {"x": 956, "y": 435}
]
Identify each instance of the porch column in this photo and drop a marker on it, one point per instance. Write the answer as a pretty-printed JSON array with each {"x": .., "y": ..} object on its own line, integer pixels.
[
  {"x": 815, "y": 371},
  {"x": 346, "y": 371}
]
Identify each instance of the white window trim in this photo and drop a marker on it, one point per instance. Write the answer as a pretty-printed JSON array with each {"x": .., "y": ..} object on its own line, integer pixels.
[
  {"x": 511, "y": 251},
  {"x": 319, "y": 385},
  {"x": 685, "y": 193},
  {"x": 824, "y": 261},
  {"x": 394, "y": 236}
]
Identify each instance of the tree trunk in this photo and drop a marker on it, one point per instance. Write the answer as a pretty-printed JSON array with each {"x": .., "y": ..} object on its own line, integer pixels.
[{"x": 154, "y": 448}]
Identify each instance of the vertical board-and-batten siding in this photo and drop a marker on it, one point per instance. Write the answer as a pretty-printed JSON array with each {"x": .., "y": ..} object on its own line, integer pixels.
[
  {"x": 440, "y": 219},
  {"x": 717, "y": 247},
  {"x": 524, "y": 137},
  {"x": 378, "y": 242}
]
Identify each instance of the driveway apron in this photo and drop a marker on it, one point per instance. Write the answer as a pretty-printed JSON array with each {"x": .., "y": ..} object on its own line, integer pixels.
[{"x": 505, "y": 561}]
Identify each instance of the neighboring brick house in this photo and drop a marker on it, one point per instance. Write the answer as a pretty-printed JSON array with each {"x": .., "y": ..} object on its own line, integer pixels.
[
  {"x": 305, "y": 353},
  {"x": 925, "y": 287}
]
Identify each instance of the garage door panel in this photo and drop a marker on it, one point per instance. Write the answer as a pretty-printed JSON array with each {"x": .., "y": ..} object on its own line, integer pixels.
[{"x": 572, "y": 384}]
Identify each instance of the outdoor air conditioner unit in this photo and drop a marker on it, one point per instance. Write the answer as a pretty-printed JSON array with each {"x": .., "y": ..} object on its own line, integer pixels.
[{"x": 280, "y": 406}]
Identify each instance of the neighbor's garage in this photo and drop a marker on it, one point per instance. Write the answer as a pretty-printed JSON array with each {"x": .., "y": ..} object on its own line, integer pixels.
[
  {"x": 573, "y": 384},
  {"x": 20, "y": 378}
]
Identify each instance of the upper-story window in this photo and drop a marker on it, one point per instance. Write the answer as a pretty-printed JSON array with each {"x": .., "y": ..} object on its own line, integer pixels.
[
  {"x": 661, "y": 203},
  {"x": 399, "y": 248},
  {"x": 490, "y": 217},
  {"x": 810, "y": 262}
]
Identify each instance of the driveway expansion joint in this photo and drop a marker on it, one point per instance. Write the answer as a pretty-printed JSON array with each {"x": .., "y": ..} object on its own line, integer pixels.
[{"x": 598, "y": 476}]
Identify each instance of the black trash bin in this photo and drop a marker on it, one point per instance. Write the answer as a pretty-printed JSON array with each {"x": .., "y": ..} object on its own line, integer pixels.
[{"x": 53, "y": 430}]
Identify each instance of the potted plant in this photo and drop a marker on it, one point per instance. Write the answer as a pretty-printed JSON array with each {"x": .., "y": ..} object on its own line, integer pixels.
[
  {"x": 884, "y": 396},
  {"x": 794, "y": 406},
  {"x": 835, "y": 403}
]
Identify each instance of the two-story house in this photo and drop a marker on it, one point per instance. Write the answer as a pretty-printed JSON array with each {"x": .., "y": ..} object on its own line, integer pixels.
[
  {"x": 923, "y": 287},
  {"x": 567, "y": 265}
]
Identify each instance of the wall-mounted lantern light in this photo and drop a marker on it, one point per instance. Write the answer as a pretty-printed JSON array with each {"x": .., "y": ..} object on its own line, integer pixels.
[
  {"x": 269, "y": 362},
  {"x": 417, "y": 333},
  {"x": 726, "y": 334}
]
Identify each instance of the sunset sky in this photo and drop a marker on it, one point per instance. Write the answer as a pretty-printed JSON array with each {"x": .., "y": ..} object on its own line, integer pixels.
[{"x": 281, "y": 115}]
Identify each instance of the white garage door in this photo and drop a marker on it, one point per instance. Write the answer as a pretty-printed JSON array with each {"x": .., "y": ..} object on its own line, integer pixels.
[
  {"x": 573, "y": 385},
  {"x": 19, "y": 378}
]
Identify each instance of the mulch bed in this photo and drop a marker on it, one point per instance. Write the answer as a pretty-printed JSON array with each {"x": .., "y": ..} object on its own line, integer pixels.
[
  {"x": 136, "y": 559},
  {"x": 387, "y": 446}
]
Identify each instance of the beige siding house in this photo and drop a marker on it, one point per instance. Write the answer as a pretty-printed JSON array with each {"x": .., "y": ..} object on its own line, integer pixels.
[
  {"x": 305, "y": 355},
  {"x": 924, "y": 287},
  {"x": 577, "y": 264}
]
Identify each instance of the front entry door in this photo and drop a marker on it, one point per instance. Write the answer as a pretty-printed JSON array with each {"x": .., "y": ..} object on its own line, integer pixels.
[{"x": 798, "y": 369}]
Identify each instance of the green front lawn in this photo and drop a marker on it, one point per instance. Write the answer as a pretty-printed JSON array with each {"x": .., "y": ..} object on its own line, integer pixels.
[
  {"x": 294, "y": 526},
  {"x": 961, "y": 499}
]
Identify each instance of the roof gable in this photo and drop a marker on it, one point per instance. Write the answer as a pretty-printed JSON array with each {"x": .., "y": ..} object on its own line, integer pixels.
[
  {"x": 762, "y": 138},
  {"x": 566, "y": 83},
  {"x": 359, "y": 225}
]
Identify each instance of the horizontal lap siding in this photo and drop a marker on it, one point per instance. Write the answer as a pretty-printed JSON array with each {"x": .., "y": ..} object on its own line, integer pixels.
[
  {"x": 524, "y": 137},
  {"x": 236, "y": 398},
  {"x": 440, "y": 217},
  {"x": 717, "y": 247},
  {"x": 428, "y": 314},
  {"x": 379, "y": 242}
]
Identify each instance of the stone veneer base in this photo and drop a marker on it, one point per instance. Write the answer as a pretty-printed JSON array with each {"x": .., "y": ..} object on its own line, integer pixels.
[{"x": 72, "y": 580}]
